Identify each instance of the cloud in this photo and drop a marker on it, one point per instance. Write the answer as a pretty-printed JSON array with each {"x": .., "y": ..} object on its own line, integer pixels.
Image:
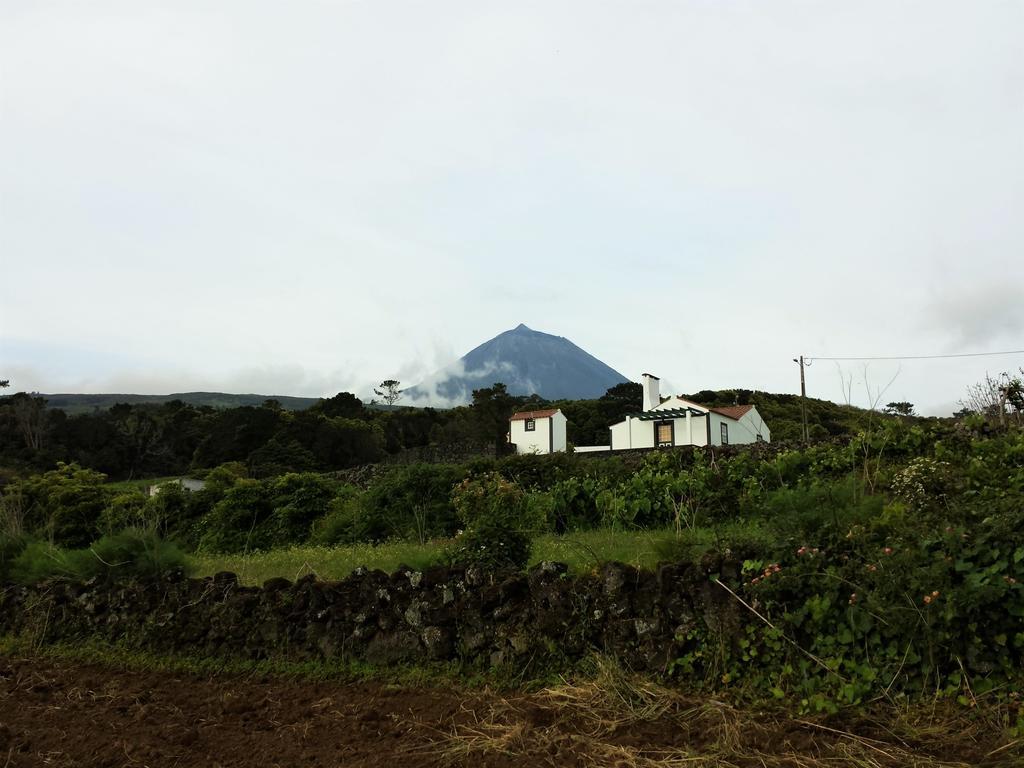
[
  {"x": 975, "y": 317},
  {"x": 446, "y": 389}
]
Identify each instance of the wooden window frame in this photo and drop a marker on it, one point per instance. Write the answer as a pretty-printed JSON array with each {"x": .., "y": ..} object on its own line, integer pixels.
[
  {"x": 724, "y": 428},
  {"x": 671, "y": 424},
  {"x": 531, "y": 425}
]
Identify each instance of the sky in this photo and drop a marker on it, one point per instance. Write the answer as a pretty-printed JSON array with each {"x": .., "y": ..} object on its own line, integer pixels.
[{"x": 306, "y": 198}]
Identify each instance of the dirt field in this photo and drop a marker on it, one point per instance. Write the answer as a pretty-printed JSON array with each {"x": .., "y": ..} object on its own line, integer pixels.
[{"x": 55, "y": 713}]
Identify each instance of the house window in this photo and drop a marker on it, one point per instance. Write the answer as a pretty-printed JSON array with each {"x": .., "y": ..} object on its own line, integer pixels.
[
  {"x": 531, "y": 425},
  {"x": 725, "y": 434},
  {"x": 664, "y": 433}
]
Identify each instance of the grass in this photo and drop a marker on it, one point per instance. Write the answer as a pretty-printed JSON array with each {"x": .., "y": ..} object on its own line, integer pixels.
[{"x": 581, "y": 551}]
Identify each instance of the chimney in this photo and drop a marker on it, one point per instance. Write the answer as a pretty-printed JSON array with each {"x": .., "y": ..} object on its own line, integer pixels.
[{"x": 652, "y": 394}]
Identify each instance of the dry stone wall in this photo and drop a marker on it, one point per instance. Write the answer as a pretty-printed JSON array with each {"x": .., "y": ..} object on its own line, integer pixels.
[{"x": 642, "y": 617}]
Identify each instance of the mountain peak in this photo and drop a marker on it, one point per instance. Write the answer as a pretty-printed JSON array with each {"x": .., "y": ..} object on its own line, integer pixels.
[{"x": 528, "y": 362}]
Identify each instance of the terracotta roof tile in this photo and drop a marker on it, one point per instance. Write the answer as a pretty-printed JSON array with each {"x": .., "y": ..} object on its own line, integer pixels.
[
  {"x": 533, "y": 414},
  {"x": 732, "y": 411}
]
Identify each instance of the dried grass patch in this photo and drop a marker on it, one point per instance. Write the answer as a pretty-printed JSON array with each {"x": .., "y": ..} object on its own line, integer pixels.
[{"x": 617, "y": 719}]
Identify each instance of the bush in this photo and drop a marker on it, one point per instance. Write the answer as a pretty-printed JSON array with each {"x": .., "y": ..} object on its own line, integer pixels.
[
  {"x": 125, "y": 510},
  {"x": 135, "y": 552},
  {"x": 297, "y": 500},
  {"x": 132, "y": 553},
  {"x": 412, "y": 502},
  {"x": 65, "y": 504},
  {"x": 10, "y": 548},
  {"x": 490, "y": 547},
  {"x": 343, "y": 522},
  {"x": 234, "y": 523},
  {"x": 491, "y": 501}
]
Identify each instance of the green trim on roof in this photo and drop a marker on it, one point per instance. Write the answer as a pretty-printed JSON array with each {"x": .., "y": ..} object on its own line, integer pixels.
[{"x": 667, "y": 413}]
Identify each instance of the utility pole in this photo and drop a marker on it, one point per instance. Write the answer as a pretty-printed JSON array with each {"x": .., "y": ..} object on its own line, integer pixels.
[{"x": 803, "y": 397}]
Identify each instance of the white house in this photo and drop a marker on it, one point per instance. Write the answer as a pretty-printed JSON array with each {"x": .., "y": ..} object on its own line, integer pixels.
[
  {"x": 537, "y": 431},
  {"x": 186, "y": 484},
  {"x": 680, "y": 422}
]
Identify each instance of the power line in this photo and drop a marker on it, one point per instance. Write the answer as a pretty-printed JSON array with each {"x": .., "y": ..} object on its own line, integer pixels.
[{"x": 922, "y": 357}]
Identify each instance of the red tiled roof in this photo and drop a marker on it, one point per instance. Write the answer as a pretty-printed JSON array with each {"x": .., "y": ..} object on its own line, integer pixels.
[
  {"x": 533, "y": 414},
  {"x": 732, "y": 411}
]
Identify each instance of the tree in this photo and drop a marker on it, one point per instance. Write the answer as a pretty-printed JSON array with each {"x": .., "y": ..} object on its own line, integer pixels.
[
  {"x": 30, "y": 414},
  {"x": 902, "y": 408},
  {"x": 990, "y": 398},
  {"x": 628, "y": 393},
  {"x": 342, "y": 404},
  {"x": 389, "y": 391},
  {"x": 491, "y": 409}
]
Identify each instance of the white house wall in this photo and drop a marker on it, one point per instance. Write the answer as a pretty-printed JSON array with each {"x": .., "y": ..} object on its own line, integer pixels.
[
  {"x": 754, "y": 424},
  {"x": 559, "y": 422},
  {"x": 538, "y": 441},
  {"x": 741, "y": 432}
]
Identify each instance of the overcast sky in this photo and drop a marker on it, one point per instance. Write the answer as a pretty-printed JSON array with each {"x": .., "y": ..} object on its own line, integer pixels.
[{"x": 307, "y": 197}]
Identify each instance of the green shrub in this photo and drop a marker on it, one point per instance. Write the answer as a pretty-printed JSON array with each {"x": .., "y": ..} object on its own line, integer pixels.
[
  {"x": 10, "y": 548},
  {"x": 297, "y": 500},
  {"x": 65, "y": 504},
  {"x": 490, "y": 547},
  {"x": 342, "y": 523},
  {"x": 235, "y": 522},
  {"x": 491, "y": 501},
  {"x": 819, "y": 511},
  {"x": 123, "y": 510},
  {"x": 134, "y": 552},
  {"x": 411, "y": 502},
  {"x": 741, "y": 540},
  {"x": 39, "y": 560}
]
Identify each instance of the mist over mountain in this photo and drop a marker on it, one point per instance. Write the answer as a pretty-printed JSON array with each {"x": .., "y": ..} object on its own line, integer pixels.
[{"x": 527, "y": 362}]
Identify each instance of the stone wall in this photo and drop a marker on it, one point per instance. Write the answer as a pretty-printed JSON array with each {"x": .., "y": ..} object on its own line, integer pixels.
[{"x": 442, "y": 613}]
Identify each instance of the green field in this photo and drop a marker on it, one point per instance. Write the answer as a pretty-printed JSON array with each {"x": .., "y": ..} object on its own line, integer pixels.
[{"x": 582, "y": 551}]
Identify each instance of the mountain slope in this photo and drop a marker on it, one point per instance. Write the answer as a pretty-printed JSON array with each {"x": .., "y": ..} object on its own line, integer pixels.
[
  {"x": 73, "y": 403},
  {"x": 527, "y": 362}
]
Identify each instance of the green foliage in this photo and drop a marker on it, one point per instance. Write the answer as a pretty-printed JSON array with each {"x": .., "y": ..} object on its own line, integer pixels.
[
  {"x": 410, "y": 502},
  {"x": 125, "y": 510},
  {"x": 819, "y": 512},
  {"x": 65, "y": 504},
  {"x": 134, "y": 552},
  {"x": 342, "y": 523},
  {"x": 298, "y": 501},
  {"x": 259, "y": 515},
  {"x": 490, "y": 500},
  {"x": 500, "y": 520},
  {"x": 235, "y": 523},
  {"x": 11, "y": 546},
  {"x": 490, "y": 546},
  {"x": 131, "y": 553}
]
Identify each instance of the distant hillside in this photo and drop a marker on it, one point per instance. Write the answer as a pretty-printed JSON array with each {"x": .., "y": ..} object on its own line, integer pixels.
[
  {"x": 527, "y": 362},
  {"x": 74, "y": 404}
]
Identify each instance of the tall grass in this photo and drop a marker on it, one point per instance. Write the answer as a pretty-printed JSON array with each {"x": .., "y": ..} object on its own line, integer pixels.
[{"x": 581, "y": 551}]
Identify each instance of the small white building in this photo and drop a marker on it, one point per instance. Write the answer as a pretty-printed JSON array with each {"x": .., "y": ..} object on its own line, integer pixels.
[
  {"x": 680, "y": 422},
  {"x": 185, "y": 483},
  {"x": 537, "y": 431}
]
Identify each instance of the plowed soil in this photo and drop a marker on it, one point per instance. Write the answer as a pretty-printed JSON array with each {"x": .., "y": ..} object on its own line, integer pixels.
[{"x": 57, "y": 713}]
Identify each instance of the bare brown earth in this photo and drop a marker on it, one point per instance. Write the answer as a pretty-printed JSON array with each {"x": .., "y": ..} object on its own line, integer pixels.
[{"x": 61, "y": 713}]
